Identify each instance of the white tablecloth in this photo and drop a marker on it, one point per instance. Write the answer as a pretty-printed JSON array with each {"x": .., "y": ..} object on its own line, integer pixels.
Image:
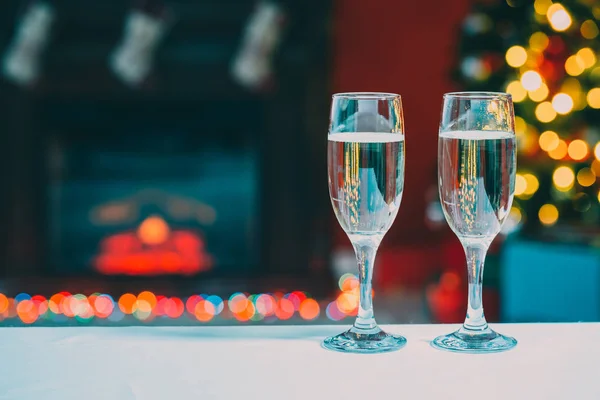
[{"x": 551, "y": 361}]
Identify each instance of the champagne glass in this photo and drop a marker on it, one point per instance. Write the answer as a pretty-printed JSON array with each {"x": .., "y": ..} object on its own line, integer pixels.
[
  {"x": 365, "y": 155},
  {"x": 476, "y": 178}
]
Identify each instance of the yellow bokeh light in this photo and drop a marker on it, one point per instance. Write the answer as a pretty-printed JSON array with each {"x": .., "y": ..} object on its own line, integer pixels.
[
  {"x": 589, "y": 29},
  {"x": 531, "y": 80},
  {"x": 520, "y": 125},
  {"x": 545, "y": 112},
  {"x": 586, "y": 177},
  {"x": 574, "y": 65},
  {"x": 559, "y": 152},
  {"x": 596, "y": 167},
  {"x": 548, "y": 214},
  {"x": 128, "y": 303},
  {"x": 520, "y": 185},
  {"x": 593, "y": 98},
  {"x": 527, "y": 143},
  {"x": 516, "y": 56},
  {"x": 597, "y": 151},
  {"x": 541, "y": 6},
  {"x": 599, "y": 196},
  {"x": 562, "y": 103},
  {"x": 532, "y": 130},
  {"x": 517, "y": 91},
  {"x": 548, "y": 141},
  {"x": 538, "y": 41},
  {"x": 532, "y": 184},
  {"x": 563, "y": 178},
  {"x": 588, "y": 57},
  {"x": 578, "y": 149},
  {"x": 516, "y": 214},
  {"x": 540, "y": 94},
  {"x": 540, "y": 19},
  {"x": 534, "y": 59},
  {"x": 147, "y": 297},
  {"x": 572, "y": 87},
  {"x": 579, "y": 102},
  {"x": 559, "y": 18}
]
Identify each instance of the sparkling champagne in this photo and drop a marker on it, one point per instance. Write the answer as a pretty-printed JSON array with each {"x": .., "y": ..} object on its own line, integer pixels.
[
  {"x": 476, "y": 181},
  {"x": 366, "y": 180}
]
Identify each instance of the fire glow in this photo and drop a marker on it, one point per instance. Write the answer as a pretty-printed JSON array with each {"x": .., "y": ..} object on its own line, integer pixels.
[{"x": 153, "y": 249}]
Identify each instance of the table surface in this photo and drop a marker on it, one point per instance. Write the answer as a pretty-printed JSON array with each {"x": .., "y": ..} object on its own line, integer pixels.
[{"x": 551, "y": 361}]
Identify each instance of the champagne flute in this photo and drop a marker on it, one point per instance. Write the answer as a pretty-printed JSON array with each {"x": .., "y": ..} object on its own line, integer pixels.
[
  {"x": 476, "y": 179},
  {"x": 365, "y": 155}
]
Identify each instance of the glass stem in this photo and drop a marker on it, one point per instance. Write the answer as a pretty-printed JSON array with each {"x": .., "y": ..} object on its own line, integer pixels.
[
  {"x": 475, "y": 320},
  {"x": 365, "y": 256}
]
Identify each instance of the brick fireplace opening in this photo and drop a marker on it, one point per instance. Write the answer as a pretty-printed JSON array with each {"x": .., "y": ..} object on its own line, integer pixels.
[{"x": 188, "y": 181}]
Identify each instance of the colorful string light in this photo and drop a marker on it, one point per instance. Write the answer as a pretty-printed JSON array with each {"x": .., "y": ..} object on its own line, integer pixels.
[{"x": 146, "y": 306}]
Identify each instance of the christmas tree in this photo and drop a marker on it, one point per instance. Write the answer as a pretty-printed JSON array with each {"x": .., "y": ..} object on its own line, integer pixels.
[{"x": 545, "y": 54}]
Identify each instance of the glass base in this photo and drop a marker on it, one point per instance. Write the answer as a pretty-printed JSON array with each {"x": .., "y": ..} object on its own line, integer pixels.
[
  {"x": 357, "y": 341},
  {"x": 468, "y": 341}
]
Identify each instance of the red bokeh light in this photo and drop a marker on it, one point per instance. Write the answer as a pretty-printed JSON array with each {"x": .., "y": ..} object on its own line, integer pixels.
[
  {"x": 309, "y": 309},
  {"x": 128, "y": 303},
  {"x": 285, "y": 309},
  {"x": 146, "y": 305},
  {"x": 65, "y": 306},
  {"x": 11, "y": 311},
  {"x": 349, "y": 284},
  {"x": 92, "y": 300},
  {"x": 266, "y": 304},
  {"x": 174, "y": 307},
  {"x": 148, "y": 297},
  {"x": 161, "y": 302},
  {"x": 55, "y": 303},
  {"x": 238, "y": 303},
  {"x": 3, "y": 303},
  {"x": 192, "y": 301},
  {"x": 27, "y": 311},
  {"x": 40, "y": 303},
  {"x": 347, "y": 302},
  {"x": 104, "y": 306},
  {"x": 295, "y": 299},
  {"x": 246, "y": 313},
  {"x": 204, "y": 311}
]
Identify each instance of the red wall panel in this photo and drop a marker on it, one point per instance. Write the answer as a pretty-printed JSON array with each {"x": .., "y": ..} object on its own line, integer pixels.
[{"x": 406, "y": 47}]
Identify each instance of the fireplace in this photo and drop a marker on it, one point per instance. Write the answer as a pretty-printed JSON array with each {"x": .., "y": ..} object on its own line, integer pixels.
[
  {"x": 188, "y": 179},
  {"x": 173, "y": 190}
]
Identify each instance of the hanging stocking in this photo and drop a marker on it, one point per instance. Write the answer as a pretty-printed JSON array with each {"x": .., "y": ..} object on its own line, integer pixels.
[
  {"x": 145, "y": 27},
  {"x": 22, "y": 61},
  {"x": 252, "y": 65}
]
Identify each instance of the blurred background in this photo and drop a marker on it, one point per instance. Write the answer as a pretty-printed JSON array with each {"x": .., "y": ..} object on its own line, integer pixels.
[{"x": 164, "y": 161}]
